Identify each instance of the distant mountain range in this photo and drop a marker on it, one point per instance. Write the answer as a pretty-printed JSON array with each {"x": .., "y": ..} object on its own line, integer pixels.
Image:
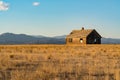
[
  {"x": 110, "y": 41},
  {"x": 11, "y": 38}
]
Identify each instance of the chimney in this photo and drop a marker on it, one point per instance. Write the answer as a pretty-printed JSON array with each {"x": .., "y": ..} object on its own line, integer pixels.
[{"x": 82, "y": 28}]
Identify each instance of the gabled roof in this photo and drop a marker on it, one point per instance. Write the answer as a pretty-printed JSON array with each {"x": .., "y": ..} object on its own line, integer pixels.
[{"x": 80, "y": 33}]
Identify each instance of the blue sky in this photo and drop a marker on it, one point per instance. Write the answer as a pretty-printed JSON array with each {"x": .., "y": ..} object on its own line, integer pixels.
[{"x": 60, "y": 17}]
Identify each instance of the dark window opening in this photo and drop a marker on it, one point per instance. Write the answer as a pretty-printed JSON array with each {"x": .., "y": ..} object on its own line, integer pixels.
[
  {"x": 81, "y": 40},
  {"x": 95, "y": 40},
  {"x": 70, "y": 40}
]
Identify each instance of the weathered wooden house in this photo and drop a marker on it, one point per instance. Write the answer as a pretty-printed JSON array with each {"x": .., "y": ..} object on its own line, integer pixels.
[{"x": 84, "y": 36}]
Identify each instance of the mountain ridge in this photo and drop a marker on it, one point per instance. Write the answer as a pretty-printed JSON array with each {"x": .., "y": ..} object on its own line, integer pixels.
[{"x": 11, "y": 38}]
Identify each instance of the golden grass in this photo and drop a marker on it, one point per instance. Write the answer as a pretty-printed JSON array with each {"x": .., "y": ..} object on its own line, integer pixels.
[{"x": 59, "y": 62}]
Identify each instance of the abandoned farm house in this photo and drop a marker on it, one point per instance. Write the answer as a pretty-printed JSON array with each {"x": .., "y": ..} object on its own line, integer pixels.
[{"x": 84, "y": 36}]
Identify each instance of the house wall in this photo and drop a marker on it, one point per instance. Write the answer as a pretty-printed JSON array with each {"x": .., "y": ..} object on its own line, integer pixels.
[
  {"x": 93, "y": 38},
  {"x": 76, "y": 41},
  {"x": 92, "y": 41},
  {"x": 99, "y": 41}
]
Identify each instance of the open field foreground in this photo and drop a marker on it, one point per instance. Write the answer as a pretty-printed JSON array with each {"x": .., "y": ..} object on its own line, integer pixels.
[{"x": 59, "y": 62}]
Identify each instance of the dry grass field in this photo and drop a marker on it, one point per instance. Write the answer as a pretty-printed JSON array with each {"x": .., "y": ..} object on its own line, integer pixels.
[{"x": 60, "y": 62}]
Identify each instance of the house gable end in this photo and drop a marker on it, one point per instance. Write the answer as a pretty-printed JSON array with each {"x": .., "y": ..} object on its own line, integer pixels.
[
  {"x": 95, "y": 33},
  {"x": 94, "y": 38}
]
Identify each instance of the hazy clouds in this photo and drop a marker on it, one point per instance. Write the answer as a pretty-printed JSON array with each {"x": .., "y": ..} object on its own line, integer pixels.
[
  {"x": 36, "y": 3},
  {"x": 4, "y": 6}
]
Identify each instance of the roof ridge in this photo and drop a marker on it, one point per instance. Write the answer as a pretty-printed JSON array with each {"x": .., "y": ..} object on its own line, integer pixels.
[
  {"x": 80, "y": 33},
  {"x": 81, "y": 29}
]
